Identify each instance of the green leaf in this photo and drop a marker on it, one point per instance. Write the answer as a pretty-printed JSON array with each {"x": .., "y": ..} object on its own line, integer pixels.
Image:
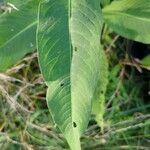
[
  {"x": 69, "y": 55},
  {"x": 129, "y": 18},
  {"x": 105, "y": 2},
  {"x": 146, "y": 60},
  {"x": 17, "y": 33},
  {"x": 98, "y": 103}
]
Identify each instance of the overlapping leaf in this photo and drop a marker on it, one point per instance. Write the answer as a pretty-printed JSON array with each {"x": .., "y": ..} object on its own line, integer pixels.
[
  {"x": 129, "y": 18},
  {"x": 17, "y": 33},
  {"x": 69, "y": 55}
]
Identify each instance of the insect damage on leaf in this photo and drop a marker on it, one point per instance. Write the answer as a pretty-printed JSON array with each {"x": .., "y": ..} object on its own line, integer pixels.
[
  {"x": 74, "y": 125},
  {"x": 75, "y": 49},
  {"x": 62, "y": 84}
]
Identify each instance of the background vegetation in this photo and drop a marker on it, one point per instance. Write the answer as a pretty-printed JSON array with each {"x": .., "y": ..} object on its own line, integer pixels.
[{"x": 25, "y": 122}]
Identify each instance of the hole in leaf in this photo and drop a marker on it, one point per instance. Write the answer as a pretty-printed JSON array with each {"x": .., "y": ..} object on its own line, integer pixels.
[
  {"x": 62, "y": 84},
  {"x": 75, "y": 49},
  {"x": 74, "y": 125}
]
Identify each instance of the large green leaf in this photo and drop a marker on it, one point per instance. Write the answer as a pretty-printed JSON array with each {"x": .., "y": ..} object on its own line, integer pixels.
[
  {"x": 17, "y": 33},
  {"x": 69, "y": 55},
  {"x": 129, "y": 18}
]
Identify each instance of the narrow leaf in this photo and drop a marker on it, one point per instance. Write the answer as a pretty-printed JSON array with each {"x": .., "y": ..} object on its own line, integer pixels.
[
  {"x": 129, "y": 18},
  {"x": 69, "y": 55},
  {"x": 98, "y": 103}
]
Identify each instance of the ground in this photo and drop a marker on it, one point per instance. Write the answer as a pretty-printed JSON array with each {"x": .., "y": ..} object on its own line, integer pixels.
[{"x": 25, "y": 122}]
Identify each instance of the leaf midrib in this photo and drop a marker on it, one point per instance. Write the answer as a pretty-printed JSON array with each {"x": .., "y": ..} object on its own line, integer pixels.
[
  {"x": 71, "y": 56},
  {"x": 126, "y": 14}
]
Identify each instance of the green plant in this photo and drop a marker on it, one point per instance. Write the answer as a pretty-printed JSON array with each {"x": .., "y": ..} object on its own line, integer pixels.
[{"x": 71, "y": 58}]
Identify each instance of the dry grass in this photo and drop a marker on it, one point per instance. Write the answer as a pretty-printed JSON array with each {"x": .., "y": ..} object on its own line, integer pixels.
[{"x": 25, "y": 122}]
